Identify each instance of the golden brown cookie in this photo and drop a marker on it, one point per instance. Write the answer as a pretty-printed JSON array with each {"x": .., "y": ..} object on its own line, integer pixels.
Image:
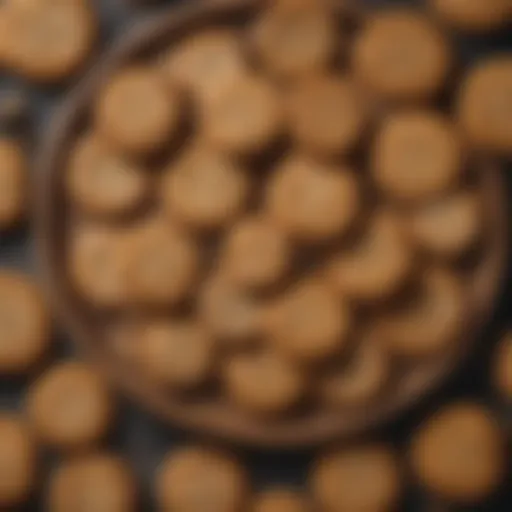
[
  {"x": 310, "y": 322},
  {"x": 450, "y": 226},
  {"x": 294, "y": 38},
  {"x": 103, "y": 182},
  {"x": 360, "y": 379},
  {"x": 49, "y": 40},
  {"x": 25, "y": 324},
  {"x": 137, "y": 112},
  {"x": 485, "y": 103},
  {"x": 97, "y": 265},
  {"x": 431, "y": 320},
  {"x": 162, "y": 264},
  {"x": 358, "y": 478},
  {"x": 245, "y": 117},
  {"x": 473, "y": 15},
  {"x": 459, "y": 453},
  {"x": 195, "y": 479},
  {"x": 256, "y": 253},
  {"x": 401, "y": 55},
  {"x": 378, "y": 262},
  {"x": 206, "y": 62},
  {"x": 280, "y": 500},
  {"x": 228, "y": 312},
  {"x": 175, "y": 353},
  {"x": 13, "y": 183},
  {"x": 18, "y": 461},
  {"x": 503, "y": 367},
  {"x": 70, "y": 407},
  {"x": 327, "y": 113},
  {"x": 312, "y": 201},
  {"x": 98, "y": 482},
  {"x": 417, "y": 155},
  {"x": 263, "y": 383},
  {"x": 205, "y": 189}
]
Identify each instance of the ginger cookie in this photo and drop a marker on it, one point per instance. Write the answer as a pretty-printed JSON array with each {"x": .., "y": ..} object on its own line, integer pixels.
[
  {"x": 13, "y": 183},
  {"x": 502, "y": 369},
  {"x": 280, "y": 500}
]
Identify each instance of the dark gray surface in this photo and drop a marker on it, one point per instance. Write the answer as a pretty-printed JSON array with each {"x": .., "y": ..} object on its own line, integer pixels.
[{"x": 143, "y": 439}]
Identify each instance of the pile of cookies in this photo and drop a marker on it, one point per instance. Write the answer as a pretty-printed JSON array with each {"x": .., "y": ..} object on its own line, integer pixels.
[{"x": 284, "y": 214}]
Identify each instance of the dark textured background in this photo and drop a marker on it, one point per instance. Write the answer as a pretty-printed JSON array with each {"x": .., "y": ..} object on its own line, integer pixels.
[{"x": 144, "y": 440}]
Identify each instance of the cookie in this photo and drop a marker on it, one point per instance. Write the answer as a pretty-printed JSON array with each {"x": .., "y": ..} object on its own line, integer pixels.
[
  {"x": 18, "y": 461},
  {"x": 103, "y": 182},
  {"x": 70, "y": 407},
  {"x": 416, "y": 155},
  {"x": 205, "y": 189},
  {"x": 256, "y": 254},
  {"x": 176, "y": 354},
  {"x": 502, "y": 369},
  {"x": 280, "y": 500},
  {"x": 484, "y": 105},
  {"x": 49, "y": 40},
  {"x": 13, "y": 183},
  {"x": 263, "y": 383},
  {"x": 473, "y": 15},
  {"x": 400, "y": 55},
  {"x": 245, "y": 118},
  {"x": 459, "y": 453},
  {"x": 97, "y": 265},
  {"x": 97, "y": 482},
  {"x": 25, "y": 323},
  {"x": 430, "y": 321},
  {"x": 162, "y": 264},
  {"x": 359, "y": 380},
  {"x": 194, "y": 479},
  {"x": 310, "y": 322},
  {"x": 294, "y": 38},
  {"x": 137, "y": 112},
  {"x": 230, "y": 314},
  {"x": 327, "y": 113},
  {"x": 205, "y": 63},
  {"x": 357, "y": 478},
  {"x": 377, "y": 264},
  {"x": 448, "y": 227},
  {"x": 312, "y": 201}
]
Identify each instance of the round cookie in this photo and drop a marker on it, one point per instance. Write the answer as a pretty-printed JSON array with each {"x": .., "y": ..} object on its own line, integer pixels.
[
  {"x": 309, "y": 323},
  {"x": 450, "y": 226},
  {"x": 377, "y": 264},
  {"x": 459, "y": 453},
  {"x": 97, "y": 482},
  {"x": 195, "y": 479},
  {"x": 431, "y": 321},
  {"x": 401, "y": 55},
  {"x": 327, "y": 114},
  {"x": 417, "y": 155},
  {"x": 473, "y": 15},
  {"x": 357, "y": 478},
  {"x": 205, "y": 189},
  {"x": 206, "y": 62},
  {"x": 263, "y": 383},
  {"x": 312, "y": 201},
  {"x": 280, "y": 500},
  {"x": 484, "y": 105},
  {"x": 48, "y": 40},
  {"x": 18, "y": 461},
  {"x": 136, "y": 111},
  {"x": 503, "y": 367},
  {"x": 102, "y": 182},
  {"x": 245, "y": 118},
  {"x": 70, "y": 407},
  {"x": 255, "y": 254},
  {"x": 13, "y": 183},
  {"x": 25, "y": 324},
  {"x": 177, "y": 354},
  {"x": 294, "y": 38}
]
